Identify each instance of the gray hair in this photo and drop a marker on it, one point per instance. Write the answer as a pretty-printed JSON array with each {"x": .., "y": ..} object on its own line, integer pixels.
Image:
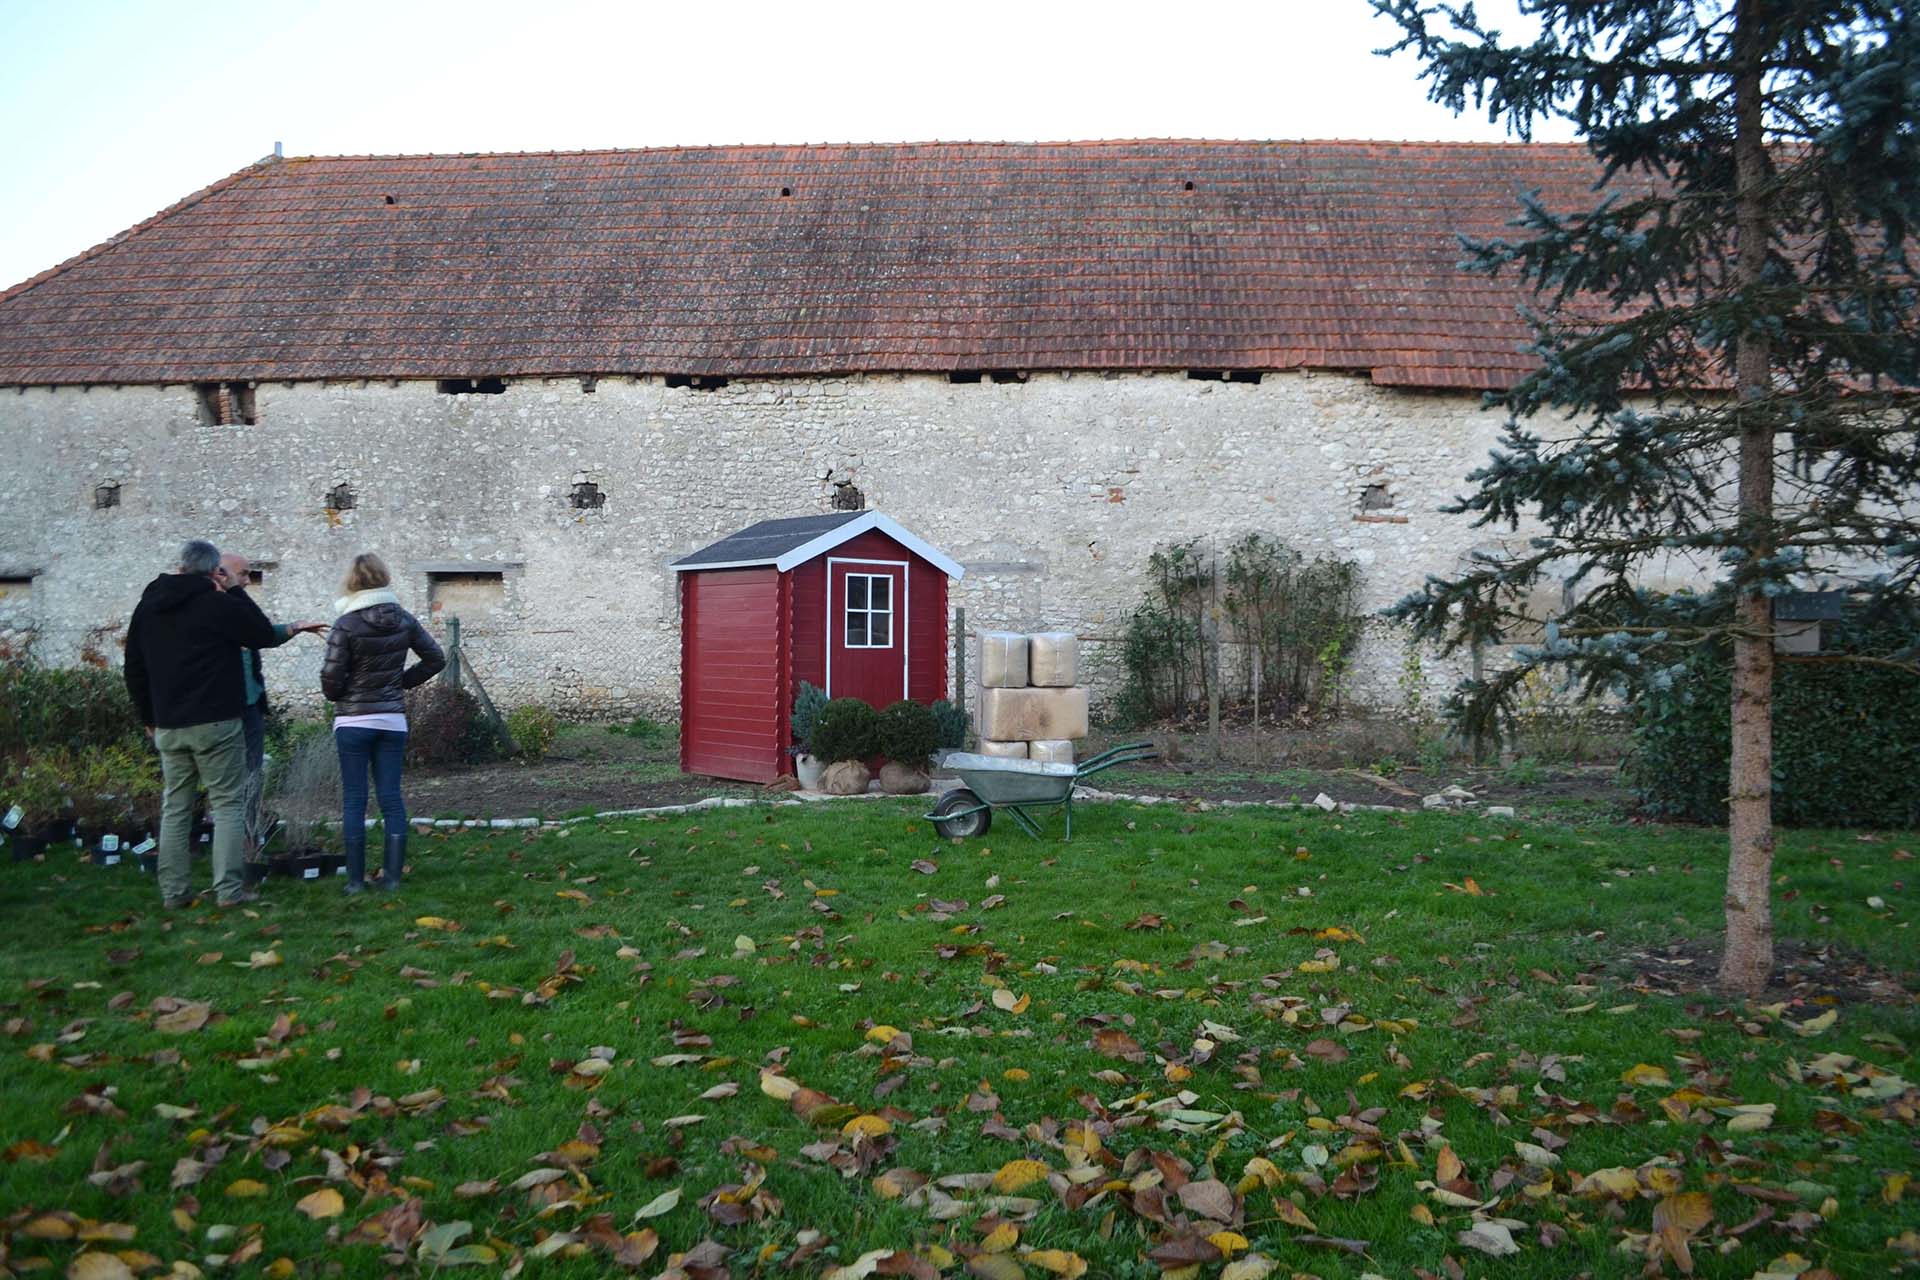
[{"x": 199, "y": 556}]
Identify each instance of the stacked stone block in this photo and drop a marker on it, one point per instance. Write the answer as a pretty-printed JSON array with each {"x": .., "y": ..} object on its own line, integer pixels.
[{"x": 1032, "y": 704}]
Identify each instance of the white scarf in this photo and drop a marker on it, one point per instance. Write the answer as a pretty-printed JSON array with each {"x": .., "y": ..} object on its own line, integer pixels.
[{"x": 359, "y": 600}]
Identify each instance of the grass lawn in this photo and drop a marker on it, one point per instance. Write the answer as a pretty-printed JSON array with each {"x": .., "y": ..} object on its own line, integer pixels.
[{"x": 1235, "y": 1041}]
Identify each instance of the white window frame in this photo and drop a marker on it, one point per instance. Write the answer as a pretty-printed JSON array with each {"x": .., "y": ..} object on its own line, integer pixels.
[
  {"x": 903, "y": 605},
  {"x": 847, "y": 610}
]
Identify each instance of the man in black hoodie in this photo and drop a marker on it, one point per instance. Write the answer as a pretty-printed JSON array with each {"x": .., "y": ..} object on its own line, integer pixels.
[{"x": 183, "y": 670}]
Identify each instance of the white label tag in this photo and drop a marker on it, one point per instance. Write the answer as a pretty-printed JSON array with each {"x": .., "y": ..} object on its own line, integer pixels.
[
  {"x": 13, "y": 817},
  {"x": 311, "y": 873},
  {"x": 111, "y": 860},
  {"x": 146, "y": 846},
  {"x": 109, "y": 844}
]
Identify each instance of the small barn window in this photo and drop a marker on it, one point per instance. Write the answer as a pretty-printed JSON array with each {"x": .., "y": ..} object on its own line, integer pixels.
[
  {"x": 964, "y": 375},
  {"x": 1376, "y": 497},
  {"x": 848, "y": 498},
  {"x": 106, "y": 496},
  {"x": 225, "y": 404},
  {"x": 468, "y": 596},
  {"x": 471, "y": 386},
  {"x": 869, "y": 611},
  {"x": 587, "y": 496},
  {"x": 15, "y": 589},
  {"x": 696, "y": 381},
  {"x": 341, "y": 498}
]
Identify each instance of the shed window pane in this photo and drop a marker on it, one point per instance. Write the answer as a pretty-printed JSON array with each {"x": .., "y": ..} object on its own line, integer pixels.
[
  {"x": 856, "y": 591},
  {"x": 856, "y": 629},
  {"x": 881, "y": 631}
]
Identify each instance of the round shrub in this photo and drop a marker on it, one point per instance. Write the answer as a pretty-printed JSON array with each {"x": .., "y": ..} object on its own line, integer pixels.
[
  {"x": 909, "y": 733},
  {"x": 533, "y": 728},
  {"x": 954, "y": 724},
  {"x": 846, "y": 729}
]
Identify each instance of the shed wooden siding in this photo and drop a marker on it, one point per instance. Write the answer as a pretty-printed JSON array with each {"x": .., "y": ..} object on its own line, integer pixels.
[
  {"x": 734, "y": 660},
  {"x": 926, "y": 616}
]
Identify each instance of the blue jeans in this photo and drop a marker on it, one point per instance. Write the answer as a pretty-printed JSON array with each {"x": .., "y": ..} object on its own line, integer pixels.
[{"x": 380, "y": 750}]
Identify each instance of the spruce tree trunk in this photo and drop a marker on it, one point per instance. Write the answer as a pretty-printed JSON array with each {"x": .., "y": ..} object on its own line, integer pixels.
[{"x": 1748, "y": 960}]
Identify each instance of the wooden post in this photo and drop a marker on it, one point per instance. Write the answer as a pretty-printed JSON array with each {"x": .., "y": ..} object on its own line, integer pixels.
[
  {"x": 960, "y": 658},
  {"x": 453, "y": 652},
  {"x": 1213, "y": 646}
]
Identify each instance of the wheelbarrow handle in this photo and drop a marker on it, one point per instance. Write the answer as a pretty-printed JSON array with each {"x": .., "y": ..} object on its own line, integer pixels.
[{"x": 1130, "y": 754}]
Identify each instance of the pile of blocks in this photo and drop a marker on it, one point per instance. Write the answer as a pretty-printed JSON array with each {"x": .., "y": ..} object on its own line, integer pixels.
[{"x": 1032, "y": 704}]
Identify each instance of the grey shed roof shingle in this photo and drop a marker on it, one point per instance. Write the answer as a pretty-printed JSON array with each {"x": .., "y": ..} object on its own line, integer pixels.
[{"x": 794, "y": 540}]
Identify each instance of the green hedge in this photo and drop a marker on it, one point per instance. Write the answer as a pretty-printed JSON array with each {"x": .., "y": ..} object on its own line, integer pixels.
[{"x": 1846, "y": 738}]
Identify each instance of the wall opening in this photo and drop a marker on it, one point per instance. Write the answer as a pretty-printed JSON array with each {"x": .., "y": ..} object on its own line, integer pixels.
[
  {"x": 785, "y": 192},
  {"x": 588, "y": 384},
  {"x": 226, "y": 404},
  {"x": 1225, "y": 375},
  {"x": 15, "y": 589},
  {"x": 341, "y": 498},
  {"x": 696, "y": 381},
  {"x": 847, "y": 498},
  {"x": 466, "y": 596},
  {"x": 586, "y": 496},
  {"x": 1376, "y": 497},
  {"x": 1008, "y": 375},
  {"x": 106, "y": 496},
  {"x": 964, "y": 375},
  {"x": 471, "y": 386}
]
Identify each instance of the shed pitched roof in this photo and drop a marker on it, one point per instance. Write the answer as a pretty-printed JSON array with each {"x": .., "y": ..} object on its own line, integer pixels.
[
  {"x": 794, "y": 540},
  {"x": 767, "y": 261}
]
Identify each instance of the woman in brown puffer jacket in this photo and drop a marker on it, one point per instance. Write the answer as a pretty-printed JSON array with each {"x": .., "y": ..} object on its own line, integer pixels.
[{"x": 366, "y": 676}]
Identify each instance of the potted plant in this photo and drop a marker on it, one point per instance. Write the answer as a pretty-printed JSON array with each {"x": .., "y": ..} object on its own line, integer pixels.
[
  {"x": 305, "y": 794},
  {"x": 909, "y": 735},
  {"x": 954, "y": 724},
  {"x": 846, "y": 736},
  {"x": 808, "y": 767}
]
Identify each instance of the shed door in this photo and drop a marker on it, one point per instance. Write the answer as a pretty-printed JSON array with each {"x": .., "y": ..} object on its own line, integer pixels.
[{"x": 867, "y": 630}]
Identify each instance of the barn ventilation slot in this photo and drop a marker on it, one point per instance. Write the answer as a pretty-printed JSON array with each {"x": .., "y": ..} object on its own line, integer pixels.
[
  {"x": 847, "y": 498},
  {"x": 341, "y": 498},
  {"x": 1225, "y": 375},
  {"x": 106, "y": 496},
  {"x": 471, "y": 386},
  {"x": 225, "y": 404},
  {"x": 696, "y": 381},
  {"x": 587, "y": 496},
  {"x": 1375, "y": 497}
]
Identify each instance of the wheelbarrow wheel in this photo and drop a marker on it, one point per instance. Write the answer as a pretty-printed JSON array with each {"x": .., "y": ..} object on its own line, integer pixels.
[{"x": 967, "y": 824}]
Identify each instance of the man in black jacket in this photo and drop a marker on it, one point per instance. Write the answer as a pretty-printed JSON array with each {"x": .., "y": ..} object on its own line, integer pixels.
[{"x": 183, "y": 670}]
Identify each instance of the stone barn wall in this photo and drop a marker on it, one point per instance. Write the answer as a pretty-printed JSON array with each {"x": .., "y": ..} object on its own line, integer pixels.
[{"x": 1052, "y": 492}]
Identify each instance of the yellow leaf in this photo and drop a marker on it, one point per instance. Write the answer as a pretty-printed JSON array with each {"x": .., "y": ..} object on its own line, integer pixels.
[
  {"x": 1016, "y": 1174},
  {"x": 882, "y": 1033},
  {"x": 49, "y": 1226},
  {"x": 1000, "y": 1239},
  {"x": 324, "y": 1203},
  {"x": 1260, "y": 1172},
  {"x": 1421, "y": 1214},
  {"x": 98, "y": 1266},
  {"x": 246, "y": 1189},
  {"x": 437, "y": 922},
  {"x": 1293, "y": 1215},
  {"x": 1646, "y": 1073},
  {"x": 1896, "y": 1187},
  {"x": 1618, "y": 1182},
  {"x": 866, "y": 1127},
  {"x": 1069, "y": 1266},
  {"x": 1227, "y": 1242},
  {"x": 1814, "y": 1026},
  {"x": 1254, "y": 1266},
  {"x": 779, "y": 1088},
  {"x": 1327, "y": 965},
  {"x": 280, "y": 1269},
  {"x": 1017, "y": 1074}
]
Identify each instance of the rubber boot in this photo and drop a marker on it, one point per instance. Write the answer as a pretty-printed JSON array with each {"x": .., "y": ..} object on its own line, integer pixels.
[
  {"x": 396, "y": 859},
  {"x": 355, "y": 838}
]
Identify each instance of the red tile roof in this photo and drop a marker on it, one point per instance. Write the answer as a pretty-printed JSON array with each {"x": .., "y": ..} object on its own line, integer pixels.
[{"x": 765, "y": 261}]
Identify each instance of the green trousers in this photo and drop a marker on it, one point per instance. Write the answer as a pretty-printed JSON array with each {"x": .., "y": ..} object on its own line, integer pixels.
[{"x": 213, "y": 756}]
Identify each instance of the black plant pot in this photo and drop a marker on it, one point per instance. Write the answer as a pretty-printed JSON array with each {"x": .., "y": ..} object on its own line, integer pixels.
[
  {"x": 252, "y": 873},
  {"x": 147, "y": 863},
  {"x": 25, "y": 848}
]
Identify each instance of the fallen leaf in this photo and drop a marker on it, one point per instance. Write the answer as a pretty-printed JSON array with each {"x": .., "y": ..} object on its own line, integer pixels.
[
  {"x": 662, "y": 1203},
  {"x": 324, "y": 1203}
]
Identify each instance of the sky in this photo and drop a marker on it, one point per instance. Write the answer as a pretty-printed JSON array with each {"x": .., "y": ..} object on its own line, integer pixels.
[{"x": 118, "y": 108}]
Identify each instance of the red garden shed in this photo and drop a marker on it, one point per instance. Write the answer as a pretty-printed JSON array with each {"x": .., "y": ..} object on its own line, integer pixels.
[{"x": 849, "y": 602}]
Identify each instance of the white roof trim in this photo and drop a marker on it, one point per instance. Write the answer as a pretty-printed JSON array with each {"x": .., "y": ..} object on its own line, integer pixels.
[{"x": 833, "y": 537}]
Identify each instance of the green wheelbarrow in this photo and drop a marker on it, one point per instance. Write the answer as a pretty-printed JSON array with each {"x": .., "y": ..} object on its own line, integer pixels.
[{"x": 997, "y": 782}]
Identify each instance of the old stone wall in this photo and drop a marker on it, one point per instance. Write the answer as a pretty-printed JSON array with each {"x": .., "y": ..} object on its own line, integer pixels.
[{"x": 1052, "y": 492}]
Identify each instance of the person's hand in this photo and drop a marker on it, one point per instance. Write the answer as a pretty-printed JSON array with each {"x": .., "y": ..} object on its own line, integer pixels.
[
  {"x": 149, "y": 729},
  {"x": 315, "y": 627}
]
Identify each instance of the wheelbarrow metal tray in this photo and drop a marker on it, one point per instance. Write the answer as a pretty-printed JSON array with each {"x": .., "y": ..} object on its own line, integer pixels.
[{"x": 1001, "y": 780}]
